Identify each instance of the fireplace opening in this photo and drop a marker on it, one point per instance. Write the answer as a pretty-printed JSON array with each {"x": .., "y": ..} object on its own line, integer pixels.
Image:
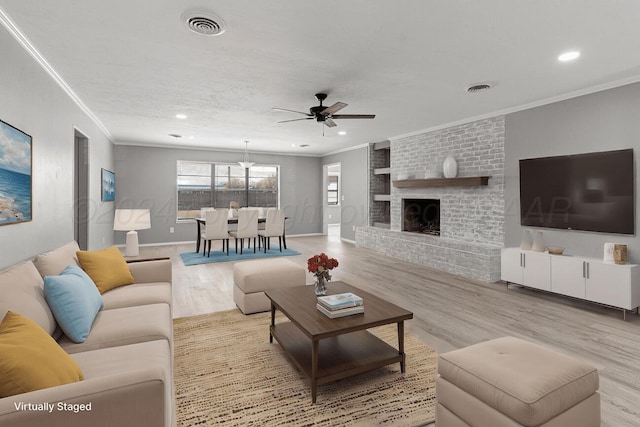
[{"x": 421, "y": 216}]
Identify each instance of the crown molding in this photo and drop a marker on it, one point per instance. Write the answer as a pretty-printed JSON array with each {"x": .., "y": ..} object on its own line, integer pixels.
[
  {"x": 343, "y": 150},
  {"x": 201, "y": 148}
]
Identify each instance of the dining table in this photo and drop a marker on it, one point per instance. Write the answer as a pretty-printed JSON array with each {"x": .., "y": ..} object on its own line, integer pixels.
[{"x": 201, "y": 221}]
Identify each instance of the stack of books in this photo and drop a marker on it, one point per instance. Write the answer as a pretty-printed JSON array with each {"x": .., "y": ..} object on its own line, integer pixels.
[{"x": 340, "y": 305}]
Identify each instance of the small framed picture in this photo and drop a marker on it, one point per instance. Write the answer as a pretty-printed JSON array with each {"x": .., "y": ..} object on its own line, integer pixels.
[{"x": 108, "y": 186}]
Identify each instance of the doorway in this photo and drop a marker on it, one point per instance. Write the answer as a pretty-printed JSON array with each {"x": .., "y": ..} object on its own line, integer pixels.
[
  {"x": 332, "y": 200},
  {"x": 81, "y": 199}
]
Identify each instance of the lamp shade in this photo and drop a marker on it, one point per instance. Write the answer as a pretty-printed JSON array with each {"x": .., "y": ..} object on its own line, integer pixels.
[{"x": 132, "y": 219}]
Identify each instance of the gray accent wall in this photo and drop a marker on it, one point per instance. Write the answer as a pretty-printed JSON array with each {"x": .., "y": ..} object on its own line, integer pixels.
[
  {"x": 146, "y": 178},
  {"x": 354, "y": 172},
  {"x": 333, "y": 213},
  {"x": 608, "y": 120},
  {"x": 33, "y": 102}
]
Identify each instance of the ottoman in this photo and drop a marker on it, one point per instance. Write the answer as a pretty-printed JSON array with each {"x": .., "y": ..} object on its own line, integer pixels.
[
  {"x": 512, "y": 382},
  {"x": 252, "y": 278}
]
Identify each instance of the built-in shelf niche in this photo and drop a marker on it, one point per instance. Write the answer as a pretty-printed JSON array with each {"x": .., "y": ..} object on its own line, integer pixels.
[{"x": 380, "y": 197}]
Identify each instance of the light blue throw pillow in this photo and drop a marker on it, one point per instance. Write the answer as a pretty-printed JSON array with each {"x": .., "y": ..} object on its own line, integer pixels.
[{"x": 74, "y": 300}]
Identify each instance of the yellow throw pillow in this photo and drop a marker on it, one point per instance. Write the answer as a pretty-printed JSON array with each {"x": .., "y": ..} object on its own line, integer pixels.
[
  {"x": 107, "y": 268},
  {"x": 30, "y": 359}
]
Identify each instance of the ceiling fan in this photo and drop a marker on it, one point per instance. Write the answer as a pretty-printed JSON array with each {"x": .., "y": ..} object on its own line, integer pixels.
[{"x": 324, "y": 114}]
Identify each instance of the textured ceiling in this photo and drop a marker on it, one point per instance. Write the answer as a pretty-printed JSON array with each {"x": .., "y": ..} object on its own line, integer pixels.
[{"x": 135, "y": 65}]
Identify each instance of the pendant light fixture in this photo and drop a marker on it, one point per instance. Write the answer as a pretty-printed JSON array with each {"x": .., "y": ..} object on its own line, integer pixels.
[{"x": 246, "y": 164}]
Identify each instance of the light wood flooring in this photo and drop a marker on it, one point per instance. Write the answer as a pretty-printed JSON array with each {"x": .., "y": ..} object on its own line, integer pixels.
[{"x": 451, "y": 312}]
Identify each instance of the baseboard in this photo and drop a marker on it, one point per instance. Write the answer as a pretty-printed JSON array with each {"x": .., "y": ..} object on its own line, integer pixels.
[{"x": 188, "y": 242}]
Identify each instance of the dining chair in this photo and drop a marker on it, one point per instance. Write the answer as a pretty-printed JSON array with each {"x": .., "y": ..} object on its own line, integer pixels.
[
  {"x": 203, "y": 214},
  {"x": 216, "y": 228},
  {"x": 273, "y": 227},
  {"x": 203, "y": 211},
  {"x": 247, "y": 228},
  {"x": 262, "y": 214}
]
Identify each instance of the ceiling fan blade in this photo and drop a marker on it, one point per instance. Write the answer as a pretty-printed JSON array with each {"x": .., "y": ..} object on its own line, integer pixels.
[
  {"x": 354, "y": 116},
  {"x": 330, "y": 123},
  {"x": 333, "y": 109},
  {"x": 292, "y": 111},
  {"x": 295, "y": 120}
]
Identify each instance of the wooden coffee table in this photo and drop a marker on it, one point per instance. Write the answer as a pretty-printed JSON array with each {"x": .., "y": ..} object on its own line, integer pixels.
[{"x": 328, "y": 349}]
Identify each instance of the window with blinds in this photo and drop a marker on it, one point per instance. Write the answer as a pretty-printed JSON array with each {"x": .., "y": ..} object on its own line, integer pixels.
[{"x": 206, "y": 184}]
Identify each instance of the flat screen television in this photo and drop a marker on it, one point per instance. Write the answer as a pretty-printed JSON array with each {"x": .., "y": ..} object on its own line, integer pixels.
[{"x": 590, "y": 192}]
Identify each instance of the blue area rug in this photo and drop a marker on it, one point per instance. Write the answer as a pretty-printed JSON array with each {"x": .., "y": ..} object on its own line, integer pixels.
[{"x": 194, "y": 258}]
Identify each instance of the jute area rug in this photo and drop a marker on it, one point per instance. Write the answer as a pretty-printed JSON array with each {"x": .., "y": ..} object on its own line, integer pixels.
[{"x": 227, "y": 373}]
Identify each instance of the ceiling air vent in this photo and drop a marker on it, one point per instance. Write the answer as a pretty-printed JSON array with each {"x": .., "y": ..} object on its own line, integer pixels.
[
  {"x": 478, "y": 88},
  {"x": 204, "y": 23}
]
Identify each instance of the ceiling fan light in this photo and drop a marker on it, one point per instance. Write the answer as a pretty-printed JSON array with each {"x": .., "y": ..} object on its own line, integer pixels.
[{"x": 246, "y": 165}]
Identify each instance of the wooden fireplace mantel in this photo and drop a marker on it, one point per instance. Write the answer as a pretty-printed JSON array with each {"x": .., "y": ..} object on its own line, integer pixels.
[{"x": 442, "y": 182}]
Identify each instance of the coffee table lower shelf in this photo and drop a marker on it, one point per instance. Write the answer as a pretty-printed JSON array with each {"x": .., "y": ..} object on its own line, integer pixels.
[{"x": 339, "y": 357}]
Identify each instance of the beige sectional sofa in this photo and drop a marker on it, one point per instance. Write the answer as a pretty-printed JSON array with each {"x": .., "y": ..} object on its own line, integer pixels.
[{"x": 127, "y": 359}]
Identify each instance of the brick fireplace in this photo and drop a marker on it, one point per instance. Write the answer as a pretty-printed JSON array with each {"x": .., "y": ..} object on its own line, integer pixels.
[{"x": 463, "y": 225}]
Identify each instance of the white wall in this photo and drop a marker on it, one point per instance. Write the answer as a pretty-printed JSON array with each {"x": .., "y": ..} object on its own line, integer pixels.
[{"x": 31, "y": 101}]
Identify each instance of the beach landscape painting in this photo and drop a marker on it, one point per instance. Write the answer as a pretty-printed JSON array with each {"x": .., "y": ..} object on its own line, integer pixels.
[
  {"x": 108, "y": 186},
  {"x": 15, "y": 175}
]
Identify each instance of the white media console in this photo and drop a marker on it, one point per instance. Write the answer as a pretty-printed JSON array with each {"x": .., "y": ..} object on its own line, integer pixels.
[{"x": 590, "y": 279}]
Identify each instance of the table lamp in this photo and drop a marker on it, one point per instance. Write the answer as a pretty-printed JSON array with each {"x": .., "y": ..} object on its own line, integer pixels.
[{"x": 131, "y": 220}]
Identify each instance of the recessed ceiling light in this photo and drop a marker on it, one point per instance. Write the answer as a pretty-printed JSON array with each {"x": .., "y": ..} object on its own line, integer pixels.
[
  {"x": 181, "y": 116},
  {"x": 293, "y": 145},
  {"x": 342, "y": 132},
  {"x": 569, "y": 56},
  {"x": 192, "y": 137}
]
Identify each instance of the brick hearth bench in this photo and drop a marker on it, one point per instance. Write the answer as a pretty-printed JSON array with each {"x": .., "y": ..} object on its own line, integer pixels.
[
  {"x": 252, "y": 278},
  {"x": 509, "y": 382}
]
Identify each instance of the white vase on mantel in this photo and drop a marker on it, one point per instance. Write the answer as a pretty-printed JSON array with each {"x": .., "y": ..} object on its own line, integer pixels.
[
  {"x": 526, "y": 243},
  {"x": 538, "y": 243},
  {"x": 450, "y": 167}
]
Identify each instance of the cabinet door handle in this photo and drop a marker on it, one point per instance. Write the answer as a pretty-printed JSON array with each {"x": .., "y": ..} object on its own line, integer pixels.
[
  {"x": 524, "y": 260},
  {"x": 584, "y": 270},
  {"x": 520, "y": 259},
  {"x": 587, "y": 269}
]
